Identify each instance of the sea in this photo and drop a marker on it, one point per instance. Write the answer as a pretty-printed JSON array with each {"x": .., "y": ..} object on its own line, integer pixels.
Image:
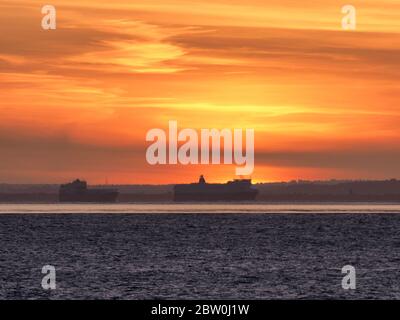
[{"x": 200, "y": 251}]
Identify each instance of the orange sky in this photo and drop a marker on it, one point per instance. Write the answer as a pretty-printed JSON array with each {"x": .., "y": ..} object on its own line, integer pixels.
[{"x": 78, "y": 101}]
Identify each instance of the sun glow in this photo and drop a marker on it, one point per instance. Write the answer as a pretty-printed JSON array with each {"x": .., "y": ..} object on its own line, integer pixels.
[{"x": 323, "y": 101}]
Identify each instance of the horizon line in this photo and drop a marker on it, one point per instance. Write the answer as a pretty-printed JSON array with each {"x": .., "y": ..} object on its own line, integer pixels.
[{"x": 168, "y": 184}]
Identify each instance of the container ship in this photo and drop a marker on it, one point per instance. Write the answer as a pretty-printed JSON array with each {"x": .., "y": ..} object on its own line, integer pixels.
[
  {"x": 235, "y": 190},
  {"x": 78, "y": 191}
]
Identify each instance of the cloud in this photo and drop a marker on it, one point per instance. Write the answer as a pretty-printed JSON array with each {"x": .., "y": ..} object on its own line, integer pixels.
[
  {"x": 376, "y": 162},
  {"x": 296, "y": 51},
  {"x": 113, "y": 70}
]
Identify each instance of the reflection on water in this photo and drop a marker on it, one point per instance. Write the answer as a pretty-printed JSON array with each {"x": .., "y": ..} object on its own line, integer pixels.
[
  {"x": 201, "y": 208},
  {"x": 199, "y": 256}
]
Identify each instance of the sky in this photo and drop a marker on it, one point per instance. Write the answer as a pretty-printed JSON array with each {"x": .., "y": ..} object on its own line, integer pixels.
[{"x": 78, "y": 101}]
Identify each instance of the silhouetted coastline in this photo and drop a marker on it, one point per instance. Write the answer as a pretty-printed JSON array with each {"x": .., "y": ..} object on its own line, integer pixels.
[{"x": 294, "y": 191}]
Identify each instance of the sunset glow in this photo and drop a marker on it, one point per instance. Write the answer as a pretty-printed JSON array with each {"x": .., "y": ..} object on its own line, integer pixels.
[{"x": 78, "y": 101}]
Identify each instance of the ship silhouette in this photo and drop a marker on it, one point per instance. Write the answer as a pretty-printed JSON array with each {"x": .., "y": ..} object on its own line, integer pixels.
[
  {"x": 235, "y": 190},
  {"x": 78, "y": 191}
]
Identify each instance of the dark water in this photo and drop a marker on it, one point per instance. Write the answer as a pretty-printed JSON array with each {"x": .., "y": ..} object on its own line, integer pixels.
[{"x": 185, "y": 256}]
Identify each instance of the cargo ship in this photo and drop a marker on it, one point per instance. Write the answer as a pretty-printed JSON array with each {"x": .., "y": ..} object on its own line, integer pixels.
[
  {"x": 78, "y": 191},
  {"x": 235, "y": 190}
]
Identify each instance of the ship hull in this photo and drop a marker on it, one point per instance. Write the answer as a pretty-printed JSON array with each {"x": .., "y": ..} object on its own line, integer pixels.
[
  {"x": 196, "y": 197},
  {"x": 213, "y": 197},
  {"x": 235, "y": 190}
]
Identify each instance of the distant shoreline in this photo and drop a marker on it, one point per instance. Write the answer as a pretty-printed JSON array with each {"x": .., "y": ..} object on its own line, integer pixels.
[{"x": 332, "y": 191}]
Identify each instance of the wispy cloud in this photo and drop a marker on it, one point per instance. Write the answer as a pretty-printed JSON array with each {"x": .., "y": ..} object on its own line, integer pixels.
[{"x": 113, "y": 70}]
